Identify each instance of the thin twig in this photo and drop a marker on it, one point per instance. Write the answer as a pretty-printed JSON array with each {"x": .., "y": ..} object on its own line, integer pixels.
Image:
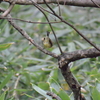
[
  {"x": 42, "y": 8},
  {"x": 49, "y": 25},
  {"x": 53, "y": 95},
  {"x": 59, "y": 8},
  {"x": 15, "y": 87},
  {"x": 96, "y": 4},
  {"x": 29, "y": 21},
  {"x": 72, "y": 27},
  {"x": 9, "y": 9}
]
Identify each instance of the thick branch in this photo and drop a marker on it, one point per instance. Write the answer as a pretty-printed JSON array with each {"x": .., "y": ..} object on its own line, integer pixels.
[
  {"x": 72, "y": 82},
  {"x": 63, "y": 62},
  {"x": 79, "y": 54},
  {"x": 81, "y": 3}
]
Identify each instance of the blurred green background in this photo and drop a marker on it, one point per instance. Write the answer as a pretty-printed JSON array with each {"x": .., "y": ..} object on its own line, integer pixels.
[{"x": 37, "y": 72}]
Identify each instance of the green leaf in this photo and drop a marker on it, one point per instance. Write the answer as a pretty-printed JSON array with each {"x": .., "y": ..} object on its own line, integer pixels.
[
  {"x": 22, "y": 90},
  {"x": 53, "y": 90},
  {"x": 12, "y": 98},
  {"x": 5, "y": 46},
  {"x": 53, "y": 80},
  {"x": 38, "y": 60},
  {"x": 53, "y": 75},
  {"x": 55, "y": 86},
  {"x": 28, "y": 95},
  {"x": 71, "y": 47},
  {"x": 2, "y": 97},
  {"x": 63, "y": 95},
  {"x": 83, "y": 46},
  {"x": 43, "y": 85},
  {"x": 27, "y": 76},
  {"x": 6, "y": 80},
  {"x": 95, "y": 94},
  {"x": 40, "y": 91}
]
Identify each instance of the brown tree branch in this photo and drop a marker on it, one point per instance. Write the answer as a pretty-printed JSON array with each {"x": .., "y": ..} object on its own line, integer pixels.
[
  {"x": 30, "y": 21},
  {"x": 95, "y": 3},
  {"x": 63, "y": 62},
  {"x": 53, "y": 95},
  {"x": 72, "y": 82},
  {"x": 81, "y": 3},
  {"x": 79, "y": 54},
  {"x": 9, "y": 9}
]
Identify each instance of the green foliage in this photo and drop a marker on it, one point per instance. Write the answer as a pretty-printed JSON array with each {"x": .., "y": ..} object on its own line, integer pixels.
[
  {"x": 95, "y": 94},
  {"x": 42, "y": 92},
  {"x": 2, "y": 97},
  {"x": 39, "y": 72},
  {"x": 5, "y": 46},
  {"x": 5, "y": 80},
  {"x": 63, "y": 95}
]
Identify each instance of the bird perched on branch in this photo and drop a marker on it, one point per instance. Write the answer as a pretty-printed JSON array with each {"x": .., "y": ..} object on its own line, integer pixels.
[{"x": 47, "y": 41}]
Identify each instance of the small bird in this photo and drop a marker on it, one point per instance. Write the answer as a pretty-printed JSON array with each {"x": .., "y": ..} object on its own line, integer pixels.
[{"x": 47, "y": 41}]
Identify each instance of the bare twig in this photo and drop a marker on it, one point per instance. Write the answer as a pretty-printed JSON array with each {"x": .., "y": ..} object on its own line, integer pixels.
[
  {"x": 23, "y": 33},
  {"x": 41, "y": 7},
  {"x": 53, "y": 95},
  {"x": 49, "y": 25},
  {"x": 72, "y": 27},
  {"x": 59, "y": 8},
  {"x": 15, "y": 87},
  {"x": 95, "y": 3},
  {"x": 9, "y": 9},
  {"x": 30, "y": 21}
]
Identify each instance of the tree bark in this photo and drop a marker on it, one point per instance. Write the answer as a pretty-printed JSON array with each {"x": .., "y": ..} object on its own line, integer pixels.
[
  {"x": 72, "y": 82},
  {"x": 79, "y": 54}
]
